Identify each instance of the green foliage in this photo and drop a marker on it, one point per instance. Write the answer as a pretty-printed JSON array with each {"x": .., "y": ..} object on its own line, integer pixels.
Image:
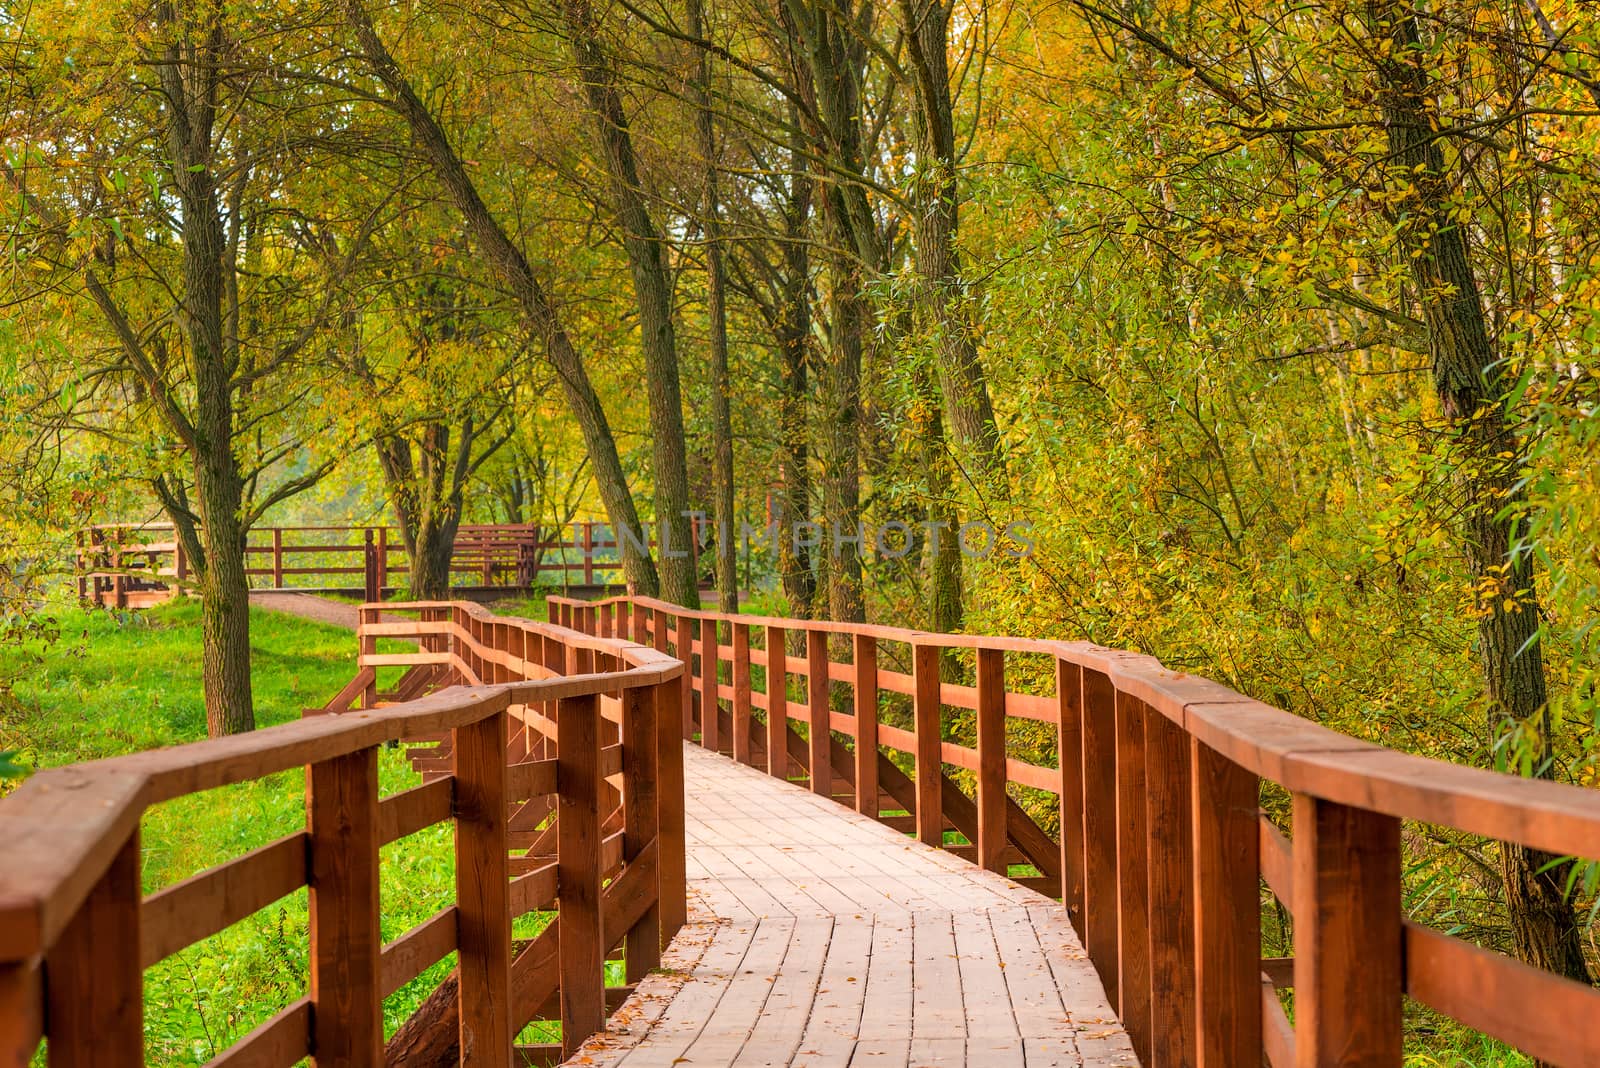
[{"x": 121, "y": 682}]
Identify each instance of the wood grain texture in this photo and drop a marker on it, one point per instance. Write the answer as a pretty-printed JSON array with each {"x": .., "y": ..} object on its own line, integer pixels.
[
  {"x": 819, "y": 767},
  {"x": 1100, "y": 827},
  {"x": 1133, "y": 877},
  {"x": 582, "y": 953},
  {"x": 991, "y": 728},
  {"x": 866, "y": 714},
  {"x": 483, "y": 907},
  {"x": 929, "y": 755},
  {"x": 1227, "y": 907},
  {"x": 94, "y": 979},
  {"x": 1347, "y": 936},
  {"x": 345, "y": 944},
  {"x": 1168, "y": 794},
  {"x": 641, "y": 772}
]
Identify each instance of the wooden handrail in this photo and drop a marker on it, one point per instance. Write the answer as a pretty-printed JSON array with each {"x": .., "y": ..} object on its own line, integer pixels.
[
  {"x": 1163, "y": 849},
  {"x": 76, "y": 933}
]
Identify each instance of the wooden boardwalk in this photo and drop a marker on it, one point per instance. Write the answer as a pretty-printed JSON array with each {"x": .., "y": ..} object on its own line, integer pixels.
[{"x": 819, "y": 938}]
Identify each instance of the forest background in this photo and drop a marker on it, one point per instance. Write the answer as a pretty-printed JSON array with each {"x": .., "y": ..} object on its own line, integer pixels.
[{"x": 1277, "y": 325}]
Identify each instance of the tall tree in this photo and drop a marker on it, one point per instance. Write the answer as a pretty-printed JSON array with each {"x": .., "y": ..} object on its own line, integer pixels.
[
  {"x": 162, "y": 222},
  {"x": 647, "y": 253},
  {"x": 540, "y": 311}
]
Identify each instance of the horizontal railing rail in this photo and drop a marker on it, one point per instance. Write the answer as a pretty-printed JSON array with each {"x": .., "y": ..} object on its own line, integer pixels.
[
  {"x": 1163, "y": 851},
  {"x": 580, "y": 732},
  {"x": 124, "y": 564}
]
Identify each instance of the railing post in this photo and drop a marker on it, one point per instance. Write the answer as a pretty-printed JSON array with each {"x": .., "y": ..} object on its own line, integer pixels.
[
  {"x": 866, "y": 710},
  {"x": 1133, "y": 878},
  {"x": 383, "y": 562},
  {"x": 930, "y": 744},
  {"x": 180, "y": 562},
  {"x": 277, "y": 558},
  {"x": 684, "y": 648},
  {"x": 1070, "y": 761},
  {"x": 671, "y": 828},
  {"x": 641, "y": 771},
  {"x": 820, "y": 710},
  {"x": 368, "y": 646},
  {"x": 345, "y": 944},
  {"x": 483, "y": 907},
  {"x": 1347, "y": 936},
  {"x": 588, "y": 554},
  {"x": 710, "y": 706},
  {"x": 991, "y": 730},
  {"x": 741, "y": 693},
  {"x": 777, "y": 703},
  {"x": 1227, "y": 905},
  {"x": 582, "y": 947},
  {"x": 1168, "y": 791},
  {"x": 1100, "y": 827},
  {"x": 94, "y": 979},
  {"x": 369, "y": 566},
  {"x": 607, "y": 624}
]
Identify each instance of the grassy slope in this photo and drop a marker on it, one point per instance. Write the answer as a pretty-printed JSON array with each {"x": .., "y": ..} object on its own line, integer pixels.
[{"x": 116, "y": 683}]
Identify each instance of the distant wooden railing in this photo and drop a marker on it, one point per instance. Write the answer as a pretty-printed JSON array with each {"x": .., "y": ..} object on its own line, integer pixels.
[
  {"x": 132, "y": 565},
  {"x": 1164, "y": 849},
  {"x": 76, "y": 933}
]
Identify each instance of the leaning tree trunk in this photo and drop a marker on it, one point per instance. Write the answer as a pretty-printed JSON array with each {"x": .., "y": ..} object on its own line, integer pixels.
[
  {"x": 1473, "y": 397},
  {"x": 841, "y": 434},
  {"x": 432, "y": 546},
  {"x": 652, "y": 286},
  {"x": 540, "y": 312}
]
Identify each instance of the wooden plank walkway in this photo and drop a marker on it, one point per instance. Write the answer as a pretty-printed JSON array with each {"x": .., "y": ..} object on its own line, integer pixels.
[{"x": 819, "y": 938}]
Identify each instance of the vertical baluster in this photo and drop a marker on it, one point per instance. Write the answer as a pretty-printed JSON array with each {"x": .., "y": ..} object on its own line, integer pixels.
[
  {"x": 777, "y": 703},
  {"x": 1069, "y": 759},
  {"x": 345, "y": 944},
  {"x": 1100, "y": 827},
  {"x": 930, "y": 744},
  {"x": 582, "y": 948},
  {"x": 991, "y": 724},
  {"x": 684, "y": 650},
  {"x": 741, "y": 693},
  {"x": 819, "y": 708},
  {"x": 1227, "y": 904},
  {"x": 482, "y": 899},
  {"x": 368, "y": 644},
  {"x": 638, "y": 631},
  {"x": 1171, "y": 857},
  {"x": 277, "y": 558},
  {"x": 670, "y": 819},
  {"x": 641, "y": 745},
  {"x": 866, "y": 709},
  {"x": 94, "y": 989},
  {"x": 607, "y": 626},
  {"x": 1347, "y": 936},
  {"x": 1133, "y": 889},
  {"x": 710, "y": 706}
]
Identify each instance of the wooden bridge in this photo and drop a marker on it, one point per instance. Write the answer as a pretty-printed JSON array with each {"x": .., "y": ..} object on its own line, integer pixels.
[{"x": 837, "y": 852}]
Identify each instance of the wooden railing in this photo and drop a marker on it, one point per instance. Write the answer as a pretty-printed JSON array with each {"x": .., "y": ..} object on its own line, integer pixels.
[
  {"x": 1163, "y": 852},
  {"x": 76, "y": 933},
  {"x": 133, "y": 565}
]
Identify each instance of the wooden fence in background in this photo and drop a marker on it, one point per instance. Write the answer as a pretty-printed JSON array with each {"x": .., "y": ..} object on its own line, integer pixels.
[
  {"x": 76, "y": 932},
  {"x": 125, "y": 566},
  {"x": 1164, "y": 854}
]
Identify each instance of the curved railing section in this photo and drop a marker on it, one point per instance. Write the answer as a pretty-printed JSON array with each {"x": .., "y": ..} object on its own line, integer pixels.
[
  {"x": 1163, "y": 851},
  {"x": 593, "y": 821}
]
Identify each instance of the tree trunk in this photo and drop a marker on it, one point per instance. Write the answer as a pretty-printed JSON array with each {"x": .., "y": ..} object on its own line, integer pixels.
[
  {"x": 647, "y": 262},
  {"x": 841, "y": 464},
  {"x": 1472, "y": 394},
  {"x": 218, "y": 481},
  {"x": 537, "y": 308},
  {"x": 925, "y": 25},
  {"x": 722, "y": 487}
]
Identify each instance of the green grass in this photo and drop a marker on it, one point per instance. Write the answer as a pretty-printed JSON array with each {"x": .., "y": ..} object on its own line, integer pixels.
[{"x": 120, "y": 682}]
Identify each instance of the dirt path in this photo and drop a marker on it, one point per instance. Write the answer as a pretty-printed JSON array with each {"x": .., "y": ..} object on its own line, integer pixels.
[{"x": 307, "y": 606}]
